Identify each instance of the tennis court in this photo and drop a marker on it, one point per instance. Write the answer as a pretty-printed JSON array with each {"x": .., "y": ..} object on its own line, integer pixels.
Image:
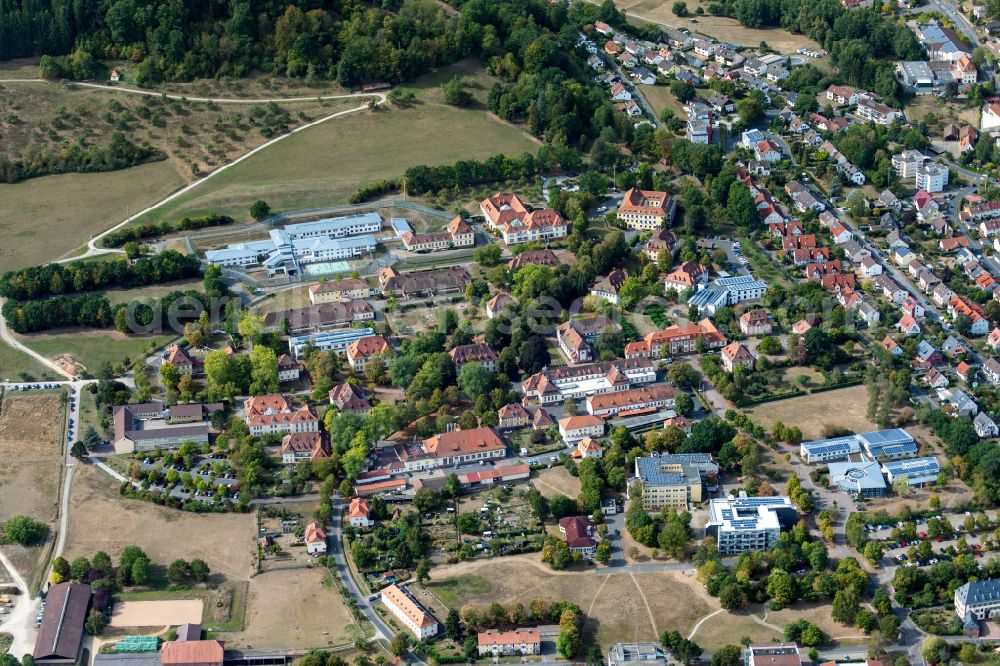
[{"x": 327, "y": 267}]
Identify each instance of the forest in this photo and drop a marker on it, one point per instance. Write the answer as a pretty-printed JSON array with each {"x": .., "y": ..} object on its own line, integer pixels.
[{"x": 180, "y": 40}]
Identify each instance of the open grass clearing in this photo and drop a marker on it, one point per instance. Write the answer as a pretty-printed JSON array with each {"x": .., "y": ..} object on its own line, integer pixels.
[
  {"x": 14, "y": 362},
  {"x": 820, "y": 615},
  {"x": 43, "y": 219},
  {"x": 102, "y": 520},
  {"x": 324, "y": 165},
  {"x": 32, "y": 428},
  {"x": 152, "y": 291},
  {"x": 294, "y": 608},
  {"x": 556, "y": 481},
  {"x": 812, "y": 413},
  {"x": 618, "y": 606},
  {"x": 87, "y": 349}
]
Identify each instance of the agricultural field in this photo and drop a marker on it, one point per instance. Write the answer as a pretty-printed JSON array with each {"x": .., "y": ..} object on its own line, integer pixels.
[
  {"x": 812, "y": 413},
  {"x": 84, "y": 350},
  {"x": 32, "y": 430},
  {"x": 297, "y": 608},
  {"x": 618, "y": 606},
  {"x": 102, "y": 520},
  {"x": 47, "y": 218}
]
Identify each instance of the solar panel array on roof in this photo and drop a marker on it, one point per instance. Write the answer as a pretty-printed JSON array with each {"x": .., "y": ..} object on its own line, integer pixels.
[{"x": 914, "y": 467}]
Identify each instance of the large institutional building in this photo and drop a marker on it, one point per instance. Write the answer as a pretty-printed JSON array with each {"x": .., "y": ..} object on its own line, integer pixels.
[
  {"x": 287, "y": 248},
  {"x": 675, "y": 481},
  {"x": 646, "y": 210},
  {"x": 749, "y": 523},
  {"x": 508, "y": 215}
]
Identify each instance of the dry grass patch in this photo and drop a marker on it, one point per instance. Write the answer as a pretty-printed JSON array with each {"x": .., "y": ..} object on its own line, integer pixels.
[
  {"x": 555, "y": 481},
  {"x": 102, "y": 520},
  {"x": 31, "y": 435},
  {"x": 47, "y": 218},
  {"x": 89, "y": 348},
  {"x": 812, "y": 413},
  {"x": 618, "y": 606},
  {"x": 294, "y": 609},
  {"x": 720, "y": 28},
  {"x": 818, "y": 614},
  {"x": 729, "y": 628}
]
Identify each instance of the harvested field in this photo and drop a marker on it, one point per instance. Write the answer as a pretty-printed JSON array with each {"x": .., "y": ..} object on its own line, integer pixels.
[
  {"x": 156, "y": 613},
  {"x": 618, "y": 606},
  {"x": 811, "y": 413},
  {"x": 101, "y": 520},
  {"x": 556, "y": 481},
  {"x": 48, "y": 218},
  {"x": 31, "y": 435},
  {"x": 294, "y": 609}
]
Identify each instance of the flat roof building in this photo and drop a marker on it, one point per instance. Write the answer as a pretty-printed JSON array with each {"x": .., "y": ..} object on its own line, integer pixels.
[
  {"x": 675, "y": 480},
  {"x": 836, "y": 448},
  {"x": 144, "y": 427},
  {"x": 772, "y": 655},
  {"x": 636, "y": 654},
  {"x": 863, "y": 478},
  {"x": 749, "y": 523},
  {"x": 336, "y": 341},
  {"x": 917, "y": 471}
]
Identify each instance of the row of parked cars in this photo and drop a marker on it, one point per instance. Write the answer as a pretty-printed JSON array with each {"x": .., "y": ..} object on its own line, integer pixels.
[{"x": 33, "y": 387}]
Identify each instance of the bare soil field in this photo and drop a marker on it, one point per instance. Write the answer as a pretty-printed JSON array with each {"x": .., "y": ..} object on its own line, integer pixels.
[
  {"x": 101, "y": 520},
  {"x": 555, "y": 481},
  {"x": 618, "y": 606},
  {"x": 294, "y": 609},
  {"x": 47, "y": 218},
  {"x": 811, "y": 413},
  {"x": 156, "y": 613}
]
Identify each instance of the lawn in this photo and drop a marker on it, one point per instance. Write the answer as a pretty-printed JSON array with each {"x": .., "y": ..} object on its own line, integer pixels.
[
  {"x": 14, "y": 362},
  {"x": 325, "y": 164},
  {"x": 43, "y": 219},
  {"x": 90, "y": 348},
  {"x": 811, "y": 413},
  {"x": 152, "y": 291},
  {"x": 32, "y": 427},
  {"x": 618, "y": 606}
]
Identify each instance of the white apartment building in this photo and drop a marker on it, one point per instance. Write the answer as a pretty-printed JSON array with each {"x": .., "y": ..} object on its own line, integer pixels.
[
  {"x": 749, "y": 523},
  {"x": 932, "y": 178}
]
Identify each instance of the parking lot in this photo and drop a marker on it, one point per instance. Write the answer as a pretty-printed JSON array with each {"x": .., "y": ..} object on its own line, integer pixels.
[
  {"x": 208, "y": 478},
  {"x": 922, "y": 546}
]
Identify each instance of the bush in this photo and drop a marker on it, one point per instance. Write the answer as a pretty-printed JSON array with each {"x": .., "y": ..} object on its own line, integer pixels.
[{"x": 24, "y": 531}]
